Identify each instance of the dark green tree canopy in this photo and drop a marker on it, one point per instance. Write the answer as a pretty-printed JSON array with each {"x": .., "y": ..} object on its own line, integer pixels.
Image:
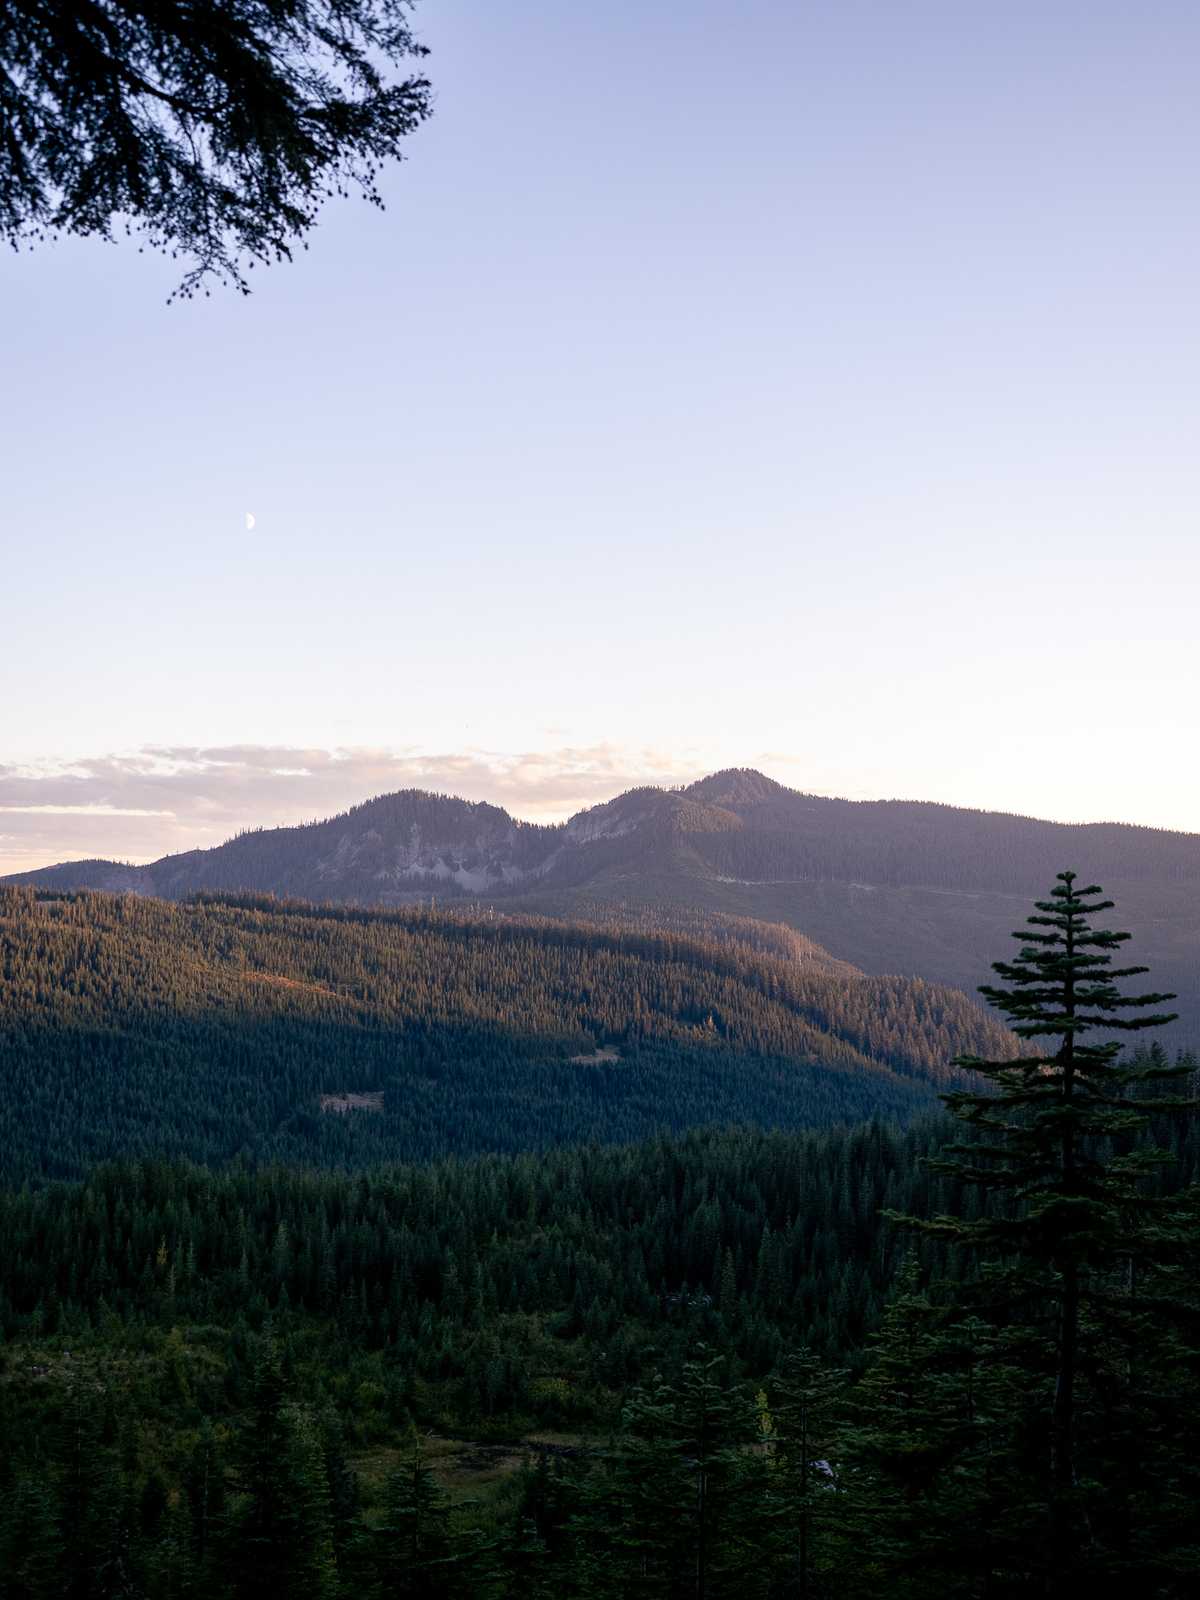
[
  {"x": 215, "y": 128},
  {"x": 1076, "y": 1229},
  {"x": 1063, "y": 986}
]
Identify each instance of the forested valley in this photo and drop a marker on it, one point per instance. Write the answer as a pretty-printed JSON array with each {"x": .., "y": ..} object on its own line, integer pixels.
[
  {"x": 212, "y": 1380},
  {"x": 824, "y": 1358},
  {"x": 220, "y": 1027}
]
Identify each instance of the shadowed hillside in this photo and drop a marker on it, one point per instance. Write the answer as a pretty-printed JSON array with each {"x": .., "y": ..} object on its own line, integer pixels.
[{"x": 247, "y": 1027}]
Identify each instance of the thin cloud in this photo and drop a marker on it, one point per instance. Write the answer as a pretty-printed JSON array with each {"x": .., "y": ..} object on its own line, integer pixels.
[
  {"x": 139, "y": 805},
  {"x": 88, "y": 809}
]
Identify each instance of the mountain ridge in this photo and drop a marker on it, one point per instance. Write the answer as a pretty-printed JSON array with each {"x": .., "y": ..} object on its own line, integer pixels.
[
  {"x": 717, "y": 803},
  {"x": 887, "y": 886}
]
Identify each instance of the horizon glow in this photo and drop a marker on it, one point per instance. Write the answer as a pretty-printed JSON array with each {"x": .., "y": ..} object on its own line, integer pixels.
[{"x": 217, "y": 796}]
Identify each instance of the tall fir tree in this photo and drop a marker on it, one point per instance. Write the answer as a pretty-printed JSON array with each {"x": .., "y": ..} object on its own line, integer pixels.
[
  {"x": 807, "y": 1401},
  {"x": 901, "y": 1496},
  {"x": 31, "y": 1546},
  {"x": 1057, "y": 1151},
  {"x": 280, "y": 1527},
  {"x": 674, "y": 1509},
  {"x": 412, "y": 1550}
]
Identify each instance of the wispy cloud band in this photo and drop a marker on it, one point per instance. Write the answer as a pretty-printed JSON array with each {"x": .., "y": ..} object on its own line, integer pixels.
[{"x": 140, "y": 805}]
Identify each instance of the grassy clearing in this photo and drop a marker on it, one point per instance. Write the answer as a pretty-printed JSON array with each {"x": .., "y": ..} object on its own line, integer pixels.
[{"x": 469, "y": 1470}]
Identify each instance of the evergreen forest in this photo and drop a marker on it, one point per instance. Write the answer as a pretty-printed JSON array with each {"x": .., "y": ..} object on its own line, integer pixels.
[
  {"x": 725, "y": 1307},
  {"x": 219, "y": 1028}
]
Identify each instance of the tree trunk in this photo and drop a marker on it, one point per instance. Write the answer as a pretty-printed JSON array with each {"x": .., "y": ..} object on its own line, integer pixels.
[
  {"x": 804, "y": 1504},
  {"x": 1062, "y": 1435},
  {"x": 1062, "y": 1447}
]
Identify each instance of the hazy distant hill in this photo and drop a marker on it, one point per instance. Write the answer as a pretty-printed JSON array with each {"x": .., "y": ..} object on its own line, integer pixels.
[
  {"x": 345, "y": 1037},
  {"x": 888, "y": 886}
]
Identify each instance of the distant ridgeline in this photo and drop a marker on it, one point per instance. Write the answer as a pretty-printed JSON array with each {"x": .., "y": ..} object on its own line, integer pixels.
[
  {"x": 238, "y": 1026},
  {"x": 889, "y": 886}
]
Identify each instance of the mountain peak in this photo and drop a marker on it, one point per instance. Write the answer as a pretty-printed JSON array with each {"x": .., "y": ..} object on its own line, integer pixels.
[
  {"x": 889, "y": 886},
  {"x": 736, "y": 786}
]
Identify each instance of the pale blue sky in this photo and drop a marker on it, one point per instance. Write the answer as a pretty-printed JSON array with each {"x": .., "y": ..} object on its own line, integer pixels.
[{"x": 811, "y": 386}]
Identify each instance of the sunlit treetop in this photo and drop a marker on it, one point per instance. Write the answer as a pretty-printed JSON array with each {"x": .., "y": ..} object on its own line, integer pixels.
[{"x": 215, "y": 129}]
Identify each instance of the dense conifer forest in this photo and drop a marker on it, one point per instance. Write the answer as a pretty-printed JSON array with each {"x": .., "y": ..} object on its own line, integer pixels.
[
  {"x": 218, "y": 1028},
  {"x": 920, "y": 1358},
  {"x": 215, "y": 1380}
]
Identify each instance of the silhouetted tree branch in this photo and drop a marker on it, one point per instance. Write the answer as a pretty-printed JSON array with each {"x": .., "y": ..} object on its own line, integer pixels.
[{"x": 215, "y": 128}]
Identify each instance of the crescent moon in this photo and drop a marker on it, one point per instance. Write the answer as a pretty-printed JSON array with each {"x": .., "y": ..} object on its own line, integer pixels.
[{"x": 249, "y": 520}]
